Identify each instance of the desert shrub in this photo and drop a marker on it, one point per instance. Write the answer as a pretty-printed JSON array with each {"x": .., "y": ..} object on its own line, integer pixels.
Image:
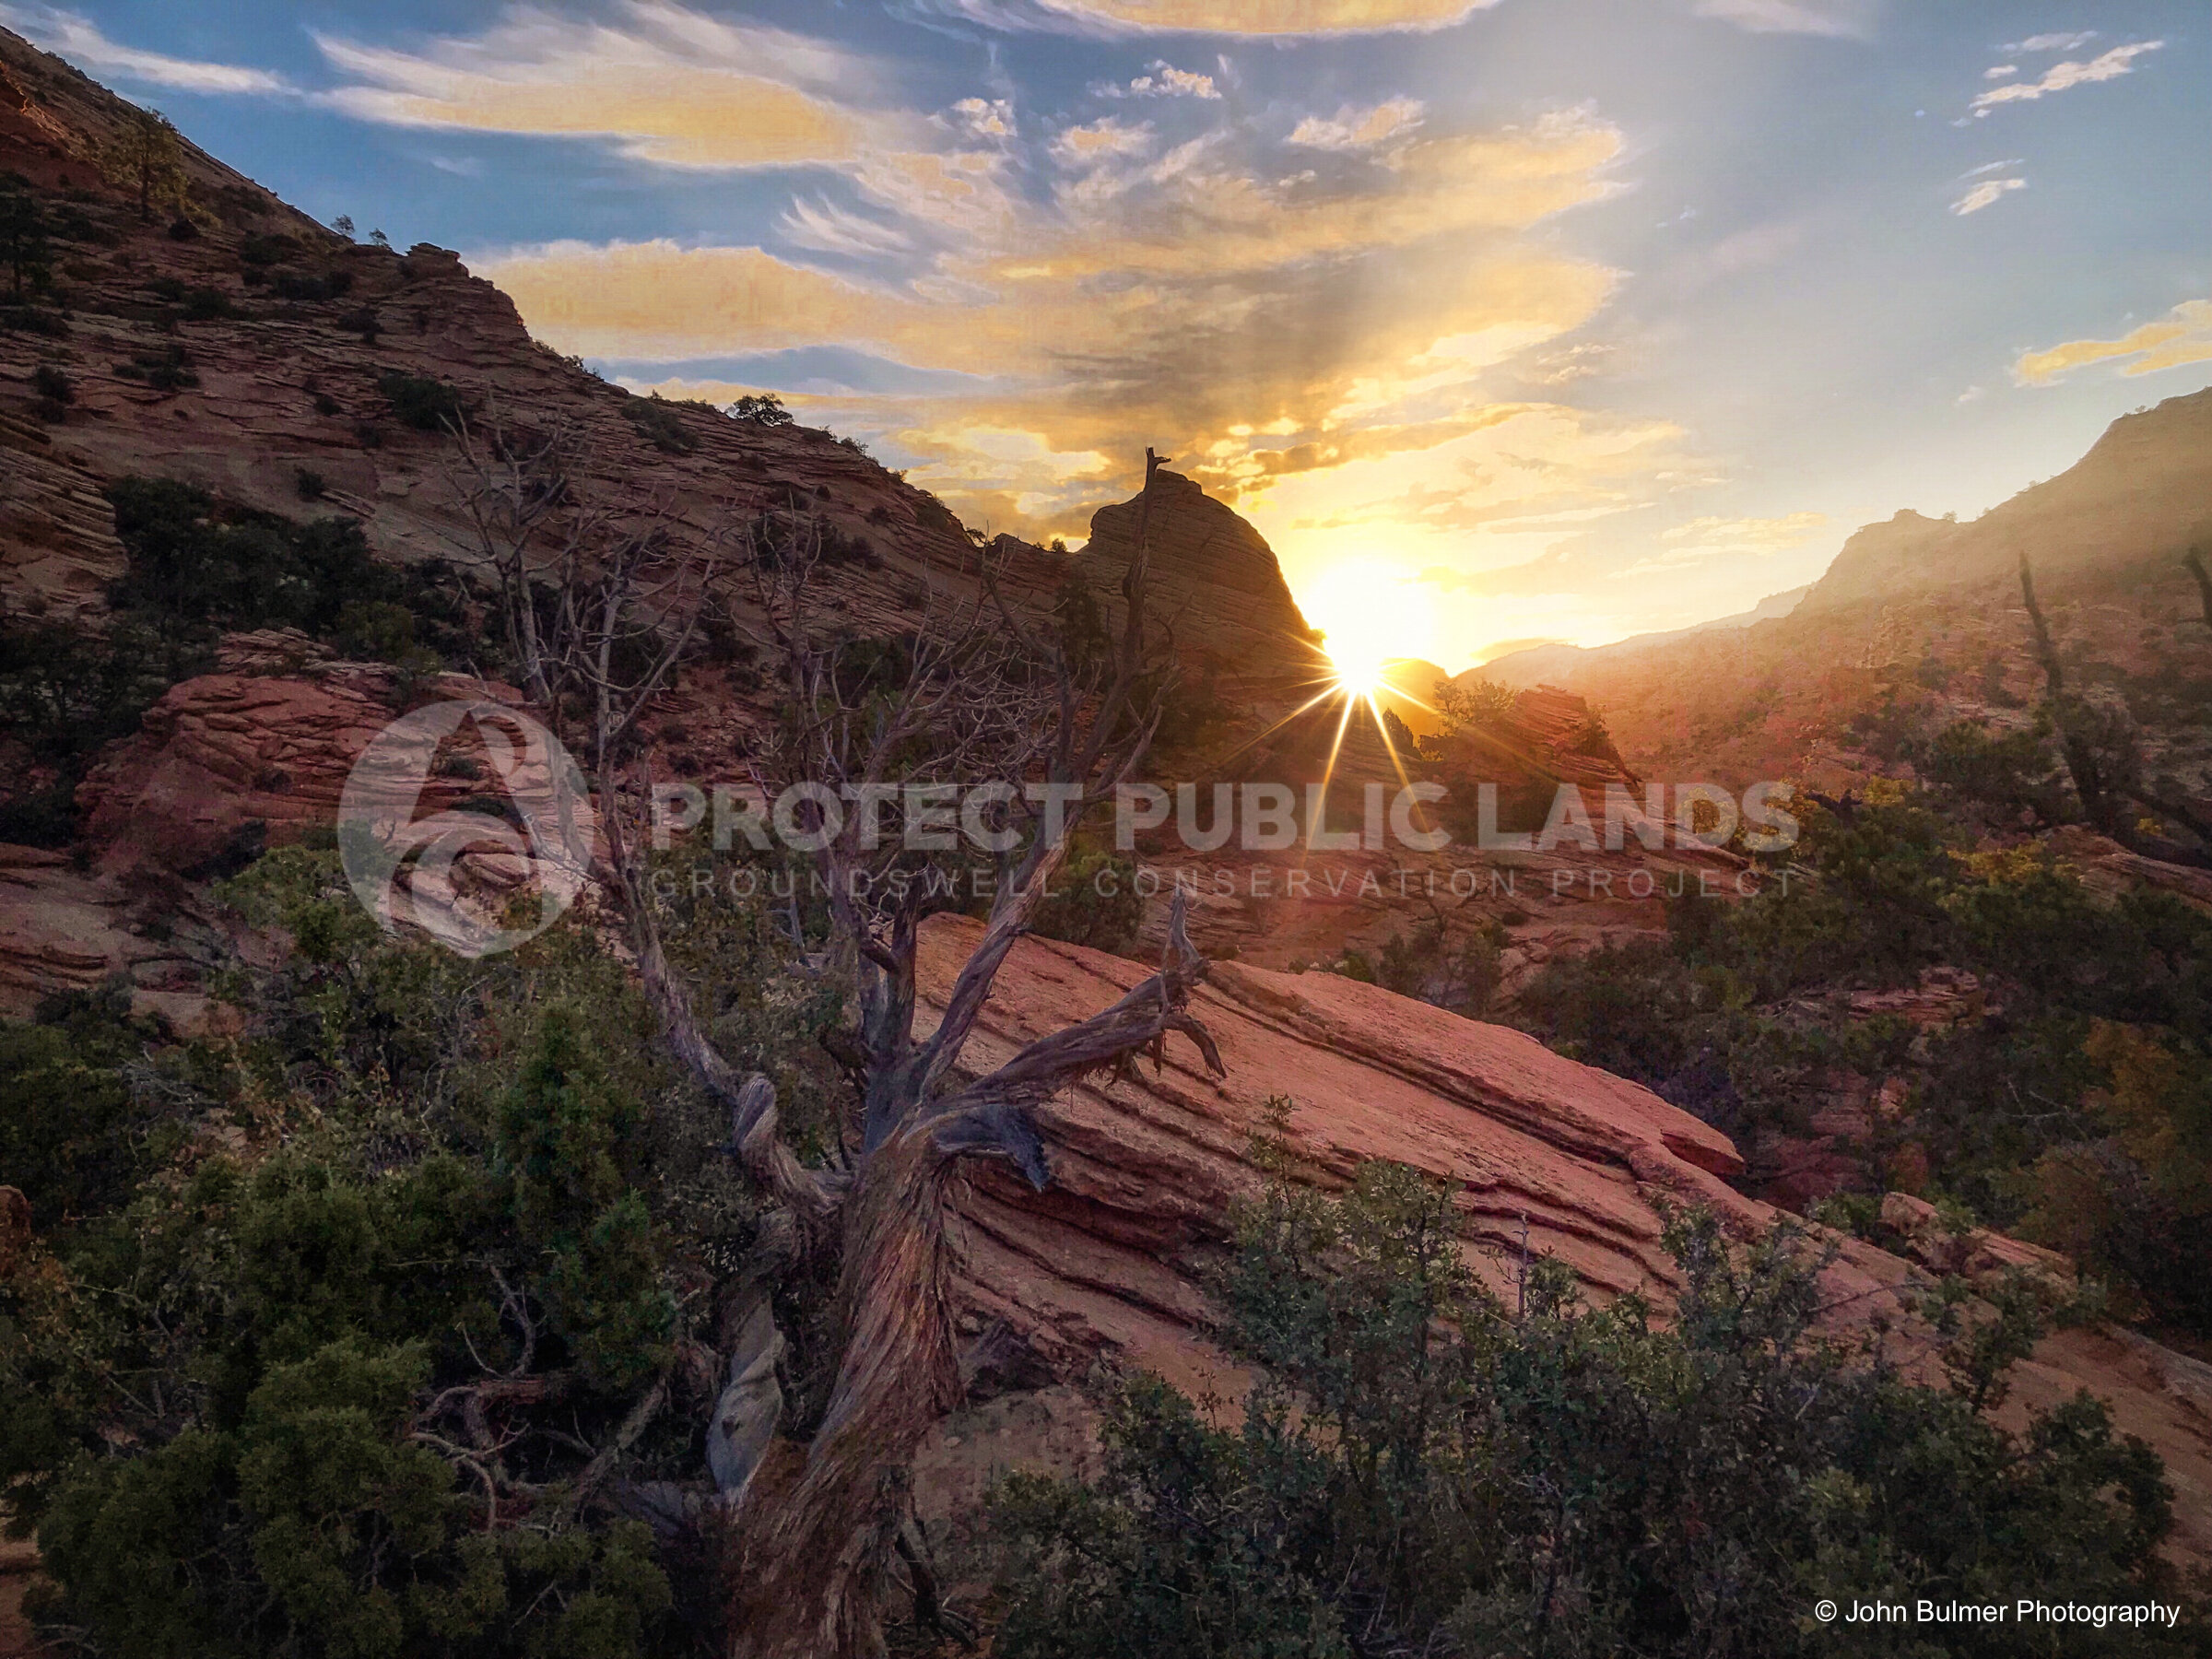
[
  {"x": 200, "y": 560},
  {"x": 23, "y": 247},
  {"x": 1422, "y": 1466},
  {"x": 64, "y": 691},
  {"x": 53, "y": 385},
  {"x": 235, "y": 1392},
  {"x": 260, "y": 252},
  {"x": 661, "y": 426},
  {"x": 75, "y": 1133},
  {"x": 375, "y": 630},
  {"x": 421, "y": 401},
  {"x": 2008, "y": 773},
  {"x": 207, "y": 305},
  {"x": 312, "y": 289},
  {"x": 168, "y": 370},
  {"x": 1093, "y": 900},
  {"x": 1462, "y": 977}
]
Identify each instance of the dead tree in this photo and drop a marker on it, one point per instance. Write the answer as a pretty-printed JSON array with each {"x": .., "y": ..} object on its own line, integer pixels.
[
  {"x": 2193, "y": 561},
  {"x": 979, "y": 696},
  {"x": 2083, "y": 764},
  {"x": 598, "y": 604}
]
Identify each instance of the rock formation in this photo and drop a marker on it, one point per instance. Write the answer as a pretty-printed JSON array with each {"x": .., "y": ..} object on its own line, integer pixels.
[
  {"x": 283, "y": 332},
  {"x": 1546, "y": 1156},
  {"x": 2142, "y": 493},
  {"x": 1213, "y": 577}
]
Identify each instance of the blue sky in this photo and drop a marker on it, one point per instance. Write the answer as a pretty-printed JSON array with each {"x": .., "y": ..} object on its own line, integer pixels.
[{"x": 1540, "y": 319}]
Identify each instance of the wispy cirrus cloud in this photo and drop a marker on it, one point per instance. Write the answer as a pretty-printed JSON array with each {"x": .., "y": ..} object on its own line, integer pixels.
[
  {"x": 825, "y": 228},
  {"x": 2052, "y": 42},
  {"x": 663, "y": 84},
  {"x": 1845, "y": 19},
  {"x": 1269, "y": 16},
  {"x": 2062, "y": 77},
  {"x": 1987, "y": 193},
  {"x": 81, "y": 41},
  {"x": 2183, "y": 335}
]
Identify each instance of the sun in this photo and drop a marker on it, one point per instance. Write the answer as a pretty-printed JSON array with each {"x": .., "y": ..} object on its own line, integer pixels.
[
  {"x": 1357, "y": 669},
  {"x": 1369, "y": 617}
]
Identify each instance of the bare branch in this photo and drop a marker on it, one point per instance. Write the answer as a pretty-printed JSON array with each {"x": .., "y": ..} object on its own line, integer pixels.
[{"x": 990, "y": 1115}]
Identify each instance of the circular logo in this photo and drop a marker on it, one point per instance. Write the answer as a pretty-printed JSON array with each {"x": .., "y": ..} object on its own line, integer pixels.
[
  {"x": 1825, "y": 1611},
  {"x": 459, "y": 874}
]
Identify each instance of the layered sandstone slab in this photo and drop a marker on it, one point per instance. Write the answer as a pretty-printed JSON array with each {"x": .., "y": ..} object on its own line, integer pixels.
[
  {"x": 1546, "y": 1155},
  {"x": 1544, "y": 1151}
]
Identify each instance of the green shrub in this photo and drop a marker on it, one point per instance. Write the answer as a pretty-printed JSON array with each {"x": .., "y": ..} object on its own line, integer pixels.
[
  {"x": 232, "y": 1391},
  {"x": 661, "y": 426},
  {"x": 421, "y": 401},
  {"x": 1093, "y": 900},
  {"x": 1422, "y": 1466},
  {"x": 763, "y": 408}
]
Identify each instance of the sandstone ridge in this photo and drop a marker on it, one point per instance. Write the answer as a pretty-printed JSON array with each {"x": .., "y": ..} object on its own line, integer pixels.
[{"x": 1544, "y": 1155}]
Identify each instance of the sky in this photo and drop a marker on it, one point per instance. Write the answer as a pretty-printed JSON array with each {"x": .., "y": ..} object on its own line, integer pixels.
[{"x": 1505, "y": 320}]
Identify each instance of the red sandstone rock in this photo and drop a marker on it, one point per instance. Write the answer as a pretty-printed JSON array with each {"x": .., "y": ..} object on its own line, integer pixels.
[{"x": 1108, "y": 1260}]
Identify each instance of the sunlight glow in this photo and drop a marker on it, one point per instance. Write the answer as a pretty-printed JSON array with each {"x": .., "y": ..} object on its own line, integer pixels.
[{"x": 1370, "y": 615}]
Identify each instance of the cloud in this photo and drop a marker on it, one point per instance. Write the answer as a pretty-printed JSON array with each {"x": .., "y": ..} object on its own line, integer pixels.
[
  {"x": 2053, "y": 42},
  {"x": 1351, "y": 129},
  {"x": 1308, "y": 342},
  {"x": 1100, "y": 142},
  {"x": 2183, "y": 335},
  {"x": 1270, "y": 17},
  {"x": 1161, "y": 80},
  {"x": 669, "y": 86},
  {"x": 1990, "y": 167},
  {"x": 1986, "y": 193},
  {"x": 2059, "y": 78},
  {"x": 80, "y": 41},
  {"x": 984, "y": 118},
  {"x": 824, "y": 226},
  {"x": 2000, "y": 70},
  {"x": 1845, "y": 19},
  {"x": 1711, "y": 535}
]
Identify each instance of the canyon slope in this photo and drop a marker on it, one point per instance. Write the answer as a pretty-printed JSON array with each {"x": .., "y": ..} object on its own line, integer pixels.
[{"x": 1928, "y": 612}]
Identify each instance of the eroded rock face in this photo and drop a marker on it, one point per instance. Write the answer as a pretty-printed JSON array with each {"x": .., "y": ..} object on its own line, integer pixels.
[
  {"x": 1146, "y": 1168},
  {"x": 64, "y": 929},
  {"x": 1544, "y": 1154},
  {"x": 224, "y": 752},
  {"x": 1211, "y": 572}
]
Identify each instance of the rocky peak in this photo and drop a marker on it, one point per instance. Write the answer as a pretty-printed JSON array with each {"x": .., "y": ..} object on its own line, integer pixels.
[
  {"x": 2141, "y": 495},
  {"x": 1212, "y": 574},
  {"x": 1902, "y": 552}
]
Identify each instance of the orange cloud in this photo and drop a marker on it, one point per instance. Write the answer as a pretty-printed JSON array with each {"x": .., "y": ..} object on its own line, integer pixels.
[
  {"x": 669, "y": 86},
  {"x": 2182, "y": 336}
]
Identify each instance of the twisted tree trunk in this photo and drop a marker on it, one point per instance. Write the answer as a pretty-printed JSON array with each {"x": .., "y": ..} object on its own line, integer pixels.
[{"x": 810, "y": 1565}]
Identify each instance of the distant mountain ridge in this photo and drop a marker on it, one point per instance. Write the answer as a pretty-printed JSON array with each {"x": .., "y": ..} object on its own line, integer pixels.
[
  {"x": 1538, "y": 663},
  {"x": 2143, "y": 491}
]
